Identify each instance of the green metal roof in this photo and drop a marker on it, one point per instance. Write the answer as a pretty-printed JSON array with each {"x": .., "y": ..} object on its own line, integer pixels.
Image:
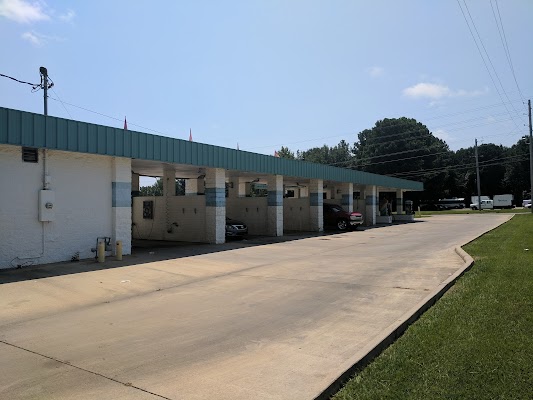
[{"x": 23, "y": 128}]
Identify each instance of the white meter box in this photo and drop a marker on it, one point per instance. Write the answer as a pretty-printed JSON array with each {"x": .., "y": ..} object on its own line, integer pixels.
[{"x": 46, "y": 205}]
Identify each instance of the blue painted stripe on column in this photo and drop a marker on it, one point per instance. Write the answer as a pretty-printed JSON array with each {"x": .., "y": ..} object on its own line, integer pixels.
[
  {"x": 215, "y": 197},
  {"x": 371, "y": 200},
  {"x": 316, "y": 199},
  {"x": 275, "y": 198},
  {"x": 121, "y": 194}
]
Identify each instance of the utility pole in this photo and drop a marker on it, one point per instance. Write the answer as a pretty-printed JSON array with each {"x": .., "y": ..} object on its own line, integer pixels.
[
  {"x": 478, "y": 181},
  {"x": 44, "y": 85},
  {"x": 530, "y": 154}
]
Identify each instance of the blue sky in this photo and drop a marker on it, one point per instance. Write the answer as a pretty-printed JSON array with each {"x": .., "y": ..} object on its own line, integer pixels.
[{"x": 269, "y": 73}]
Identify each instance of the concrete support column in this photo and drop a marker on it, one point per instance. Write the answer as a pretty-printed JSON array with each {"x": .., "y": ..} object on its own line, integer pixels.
[
  {"x": 169, "y": 182},
  {"x": 200, "y": 185},
  {"x": 316, "y": 212},
  {"x": 399, "y": 201},
  {"x": 247, "y": 188},
  {"x": 121, "y": 203},
  {"x": 191, "y": 187},
  {"x": 371, "y": 204},
  {"x": 242, "y": 188},
  {"x": 215, "y": 202},
  {"x": 275, "y": 205},
  {"x": 347, "y": 196}
]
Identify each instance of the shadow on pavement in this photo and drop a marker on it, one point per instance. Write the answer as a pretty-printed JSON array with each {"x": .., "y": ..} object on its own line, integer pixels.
[{"x": 146, "y": 251}]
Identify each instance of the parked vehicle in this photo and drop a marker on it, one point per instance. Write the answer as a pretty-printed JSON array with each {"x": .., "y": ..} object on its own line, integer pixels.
[
  {"x": 336, "y": 216},
  {"x": 485, "y": 205},
  {"x": 526, "y": 203},
  {"x": 235, "y": 229},
  {"x": 451, "y": 204},
  {"x": 503, "y": 201},
  {"x": 474, "y": 199}
]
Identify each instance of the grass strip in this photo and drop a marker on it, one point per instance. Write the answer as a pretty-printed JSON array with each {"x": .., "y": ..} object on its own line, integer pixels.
[
  {"x": 477, "y": 341},
  {"x": 469, "y": 211}
]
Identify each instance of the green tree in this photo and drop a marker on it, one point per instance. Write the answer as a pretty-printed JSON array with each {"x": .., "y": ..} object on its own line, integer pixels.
[
  {"x": 405, "y": 148},
  {"x": 284, "y": 152},
  {"x": 340, "y": 155},
  {"x": 516, "y": 177},
  {"x": 156, "y": 189}
]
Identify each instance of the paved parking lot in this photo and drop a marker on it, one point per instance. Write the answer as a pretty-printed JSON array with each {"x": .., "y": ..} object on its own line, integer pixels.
[{"x": 272, "y": 321}]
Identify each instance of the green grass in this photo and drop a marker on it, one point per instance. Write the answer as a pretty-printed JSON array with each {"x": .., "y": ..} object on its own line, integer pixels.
[
  {"x": 469, "y": 211},
  {"x": 477, "y": 341}
]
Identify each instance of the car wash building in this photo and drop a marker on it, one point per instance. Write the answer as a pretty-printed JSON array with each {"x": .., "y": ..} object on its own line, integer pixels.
[{"x": 66, "y": 185}]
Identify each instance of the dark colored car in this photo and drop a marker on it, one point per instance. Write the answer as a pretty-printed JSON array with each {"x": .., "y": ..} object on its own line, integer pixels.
[
  {"x": 336, "y": 216},
  {"x": 235, "y": 229}
]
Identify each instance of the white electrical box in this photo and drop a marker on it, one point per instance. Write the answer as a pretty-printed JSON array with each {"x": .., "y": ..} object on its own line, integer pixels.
[{"x": 47, "y": 199}]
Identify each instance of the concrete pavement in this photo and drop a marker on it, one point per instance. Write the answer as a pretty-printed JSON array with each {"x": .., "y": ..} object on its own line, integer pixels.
[{"x": 277, "y": 321}]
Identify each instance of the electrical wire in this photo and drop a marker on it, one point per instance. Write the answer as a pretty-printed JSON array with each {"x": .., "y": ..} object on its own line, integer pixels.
[
  {"x": 63, "y": 104},
  {"x": 107, "y": 116},
  {"x": 487, "y": 163},
  {"x": 34, "y": 85},
  {"x": 503, "y": 38},
  {"x": 309, "y": 140},
  {"x": 487, "y": 55},
  {"x": 399, "y": 134}
]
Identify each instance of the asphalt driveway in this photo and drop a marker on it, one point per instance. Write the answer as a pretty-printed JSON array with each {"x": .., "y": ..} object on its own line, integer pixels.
[{"x": 273, "y": 321}]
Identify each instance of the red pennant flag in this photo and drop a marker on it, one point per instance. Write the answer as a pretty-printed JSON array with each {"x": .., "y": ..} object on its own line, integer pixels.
[
  {"x": 190, "y": 135},
  {"x": 125, "y": 124}
]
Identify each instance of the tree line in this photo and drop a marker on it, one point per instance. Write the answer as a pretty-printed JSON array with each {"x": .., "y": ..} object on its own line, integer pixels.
[{"x": 405, "y": 148}]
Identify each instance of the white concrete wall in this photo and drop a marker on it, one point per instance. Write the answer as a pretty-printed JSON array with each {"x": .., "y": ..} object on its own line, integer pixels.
[
  {"x": 188, "y": 212},
  {"x": 296, "y": 214},
  {"x": 250, "y": 210},
  {"x": 82, "y": 185}
]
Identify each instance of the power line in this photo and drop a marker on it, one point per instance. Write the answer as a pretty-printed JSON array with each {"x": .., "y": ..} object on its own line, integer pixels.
[
  {"x": 107, "y": 116},
  {"x": 487, "y": 55},
  {"x": 505, "y": 45},
  {"x": 422, "y": 173},
  {"x": 516, "y": 158},
  {"x": 33, "y": 85},
  {"x": 63, "y": 104},
  {"x": 390, "y": 126}
]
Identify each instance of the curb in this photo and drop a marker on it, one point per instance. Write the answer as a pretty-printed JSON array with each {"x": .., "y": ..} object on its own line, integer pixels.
[{"x": 394, "y": 331}]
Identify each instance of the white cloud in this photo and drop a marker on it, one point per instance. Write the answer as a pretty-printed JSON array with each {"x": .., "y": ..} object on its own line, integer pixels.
[
  {"x": 430, "y": 90},
  {"x": 23, "y": 11},
  {"x": 38, "y": 39},
  {"x": 443, "y": 135},
  {"x": 437, "y": 91},
  {"x": 375, "y": 72},
  {"x": 32, "y": 38},
  {"x": 68, "y": 16}
]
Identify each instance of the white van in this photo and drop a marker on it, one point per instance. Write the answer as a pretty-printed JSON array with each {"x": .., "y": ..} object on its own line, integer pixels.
[{"x": 485, "y": 205}]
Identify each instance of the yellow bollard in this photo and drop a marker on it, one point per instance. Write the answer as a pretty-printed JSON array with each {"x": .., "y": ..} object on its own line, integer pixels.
[
  {"x": 101, "y": 252},
  {"x": 119, "y": 250}
]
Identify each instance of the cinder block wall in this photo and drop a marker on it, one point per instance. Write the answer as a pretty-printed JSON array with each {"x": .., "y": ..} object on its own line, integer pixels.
[
  {"x": 296, "y": 216},
  {"x": 250, "y": 210},
  {"x": 82, "y": 185},
  {"x": 188, "y": 212}
]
